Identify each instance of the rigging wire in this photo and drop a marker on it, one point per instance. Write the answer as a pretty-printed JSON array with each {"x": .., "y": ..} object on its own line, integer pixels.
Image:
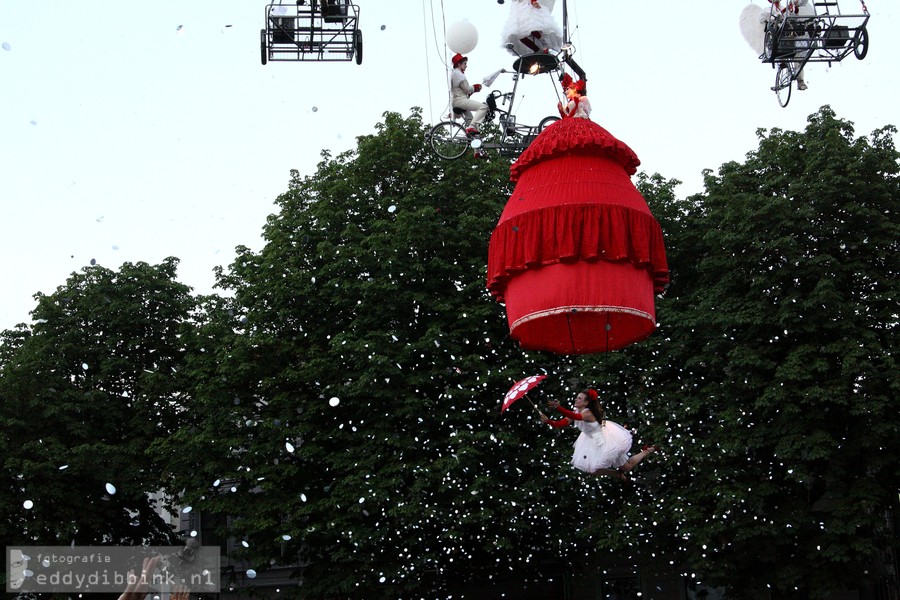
[
  {"x": 427, "y": 70},
  {"x": 440, "y": 49}
]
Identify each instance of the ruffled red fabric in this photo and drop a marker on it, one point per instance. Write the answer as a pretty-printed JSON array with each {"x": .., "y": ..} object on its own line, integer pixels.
[
  {"x": 572, "y": 207},
  {"x": 575, "y": 136},
  {"x": 573, "y": 232}
]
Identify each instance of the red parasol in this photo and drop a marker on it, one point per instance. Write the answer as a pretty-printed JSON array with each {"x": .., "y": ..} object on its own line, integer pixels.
[{"x": 520, "y": 390}]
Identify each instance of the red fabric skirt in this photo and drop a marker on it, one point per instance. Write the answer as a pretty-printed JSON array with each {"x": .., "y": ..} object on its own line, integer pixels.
[{"x": 577, "y": 256}]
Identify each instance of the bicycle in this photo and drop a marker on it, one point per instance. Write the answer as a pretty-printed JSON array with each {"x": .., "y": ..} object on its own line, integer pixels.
[{"x": 449, "y": 139}]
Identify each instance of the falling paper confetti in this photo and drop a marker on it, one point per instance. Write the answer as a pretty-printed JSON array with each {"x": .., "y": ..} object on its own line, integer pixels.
[
  {"x": 286, "y": 537},
  {"x": 28, "y": 505},
  {"x": 315, "y": 109},
  {"x": 6, "y": 46},
  {"x": 251, "y": 573},
  {"x": 245, "y": 544},
  {"x": 64, "y": 467},
  {"x": 392, "y": 208},
  {"x": 334, "y": 401},
  {"x": 289, "y": 446},
  {"x": 187, "y": 509},
  {"x": 383, "y": 27},
  {"x": 110, "y": 489}
]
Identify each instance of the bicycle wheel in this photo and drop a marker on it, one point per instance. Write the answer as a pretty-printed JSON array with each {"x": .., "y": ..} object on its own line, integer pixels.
[
  {"x": 783, "y": 80},
  {"x": 545, "y": 122},
  {"x": 449, "y": 140},
  {"x": 861, "y": 43}
]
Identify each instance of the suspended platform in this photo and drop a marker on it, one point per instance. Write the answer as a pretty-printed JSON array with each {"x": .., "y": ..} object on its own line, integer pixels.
[{"x": 312, "y": 30}]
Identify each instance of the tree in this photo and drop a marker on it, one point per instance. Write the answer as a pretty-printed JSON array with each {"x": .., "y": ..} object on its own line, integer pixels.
[
  {"x": 82, "y": 394},
  {"x": 777, "y": 374},
  {"x": 356, "y": 385}
]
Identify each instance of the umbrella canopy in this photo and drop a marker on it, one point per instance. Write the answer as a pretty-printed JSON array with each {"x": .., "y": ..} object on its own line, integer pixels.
[{"x": 520, "y": 388}]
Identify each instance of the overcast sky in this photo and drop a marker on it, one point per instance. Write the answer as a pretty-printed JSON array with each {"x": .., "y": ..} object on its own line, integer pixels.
[{"x": 132, "y": 131}]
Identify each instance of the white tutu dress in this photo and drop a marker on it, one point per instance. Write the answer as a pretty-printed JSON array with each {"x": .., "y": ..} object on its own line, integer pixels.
[
  {"x": 525, "y": 19},
  {"x": 600, "y": 447}
]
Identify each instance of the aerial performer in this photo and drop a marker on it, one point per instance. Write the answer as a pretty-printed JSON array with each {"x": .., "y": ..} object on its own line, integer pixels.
[
  {"x": 753, "y": 27},
  {"x": 603, "y": 446},
  {"x": 461, "y": 92},
  {"x": 531, "y": 28},
  {"x": 578, "y": 104}
]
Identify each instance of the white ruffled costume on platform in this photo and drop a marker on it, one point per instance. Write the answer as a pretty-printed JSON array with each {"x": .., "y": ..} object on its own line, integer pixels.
[
  {"x": 525, "y": 19},
  {"x": 599, "y": 446}
]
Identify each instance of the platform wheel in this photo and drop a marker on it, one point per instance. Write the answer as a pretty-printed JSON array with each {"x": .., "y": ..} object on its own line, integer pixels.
[
  {"x": 769, "y": 44},
  {"x": 861, "y": 43},
  {"x": 546, "y": 122},
  {"x": 358, "y": 45},
  {"x": 264, "y": 52}
]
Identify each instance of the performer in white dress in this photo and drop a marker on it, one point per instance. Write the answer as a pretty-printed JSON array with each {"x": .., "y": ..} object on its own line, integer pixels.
[
  {"x": 531, "y": 28},
  {"x": 578, "y": 105},
  {"x": 603, "y": 446}
]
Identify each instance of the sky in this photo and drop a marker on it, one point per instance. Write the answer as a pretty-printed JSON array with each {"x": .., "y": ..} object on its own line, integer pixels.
[{"x": 133, "y": 131}]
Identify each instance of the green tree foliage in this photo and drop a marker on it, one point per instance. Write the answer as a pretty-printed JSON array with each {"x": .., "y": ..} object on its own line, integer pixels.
[
  {"x": 337, "y": 407},
  {"x": 776, "y": 379},
  {"x": 82, "y": 395},
  {"x": 356, "y": 391}
]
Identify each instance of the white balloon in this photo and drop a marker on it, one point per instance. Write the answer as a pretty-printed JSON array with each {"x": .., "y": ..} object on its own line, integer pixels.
[{"x": 462, "y": 37}]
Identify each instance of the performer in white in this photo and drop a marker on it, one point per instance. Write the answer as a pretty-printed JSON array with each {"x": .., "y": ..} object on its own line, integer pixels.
[
  {"x": 578, "y": 105},
  {"x": 752, "y": 24},
  {"x": 531, "y": 28},
  {"x": 460, "y": 90}
]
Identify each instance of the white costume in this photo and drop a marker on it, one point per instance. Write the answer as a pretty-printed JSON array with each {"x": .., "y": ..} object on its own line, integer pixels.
[
  {"x": 600, "y": 446},
  {"x": 580, "y": 107},
  {"x": 752, "y": 23},
  {"x": 531, "y": 29},
  {"x": 460, "y": 90}
]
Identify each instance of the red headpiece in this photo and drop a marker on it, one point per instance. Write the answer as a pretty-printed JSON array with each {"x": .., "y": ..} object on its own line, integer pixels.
[
  {"x": 579, "y": 86},
  {"x": 566, "y": 81},
  {"x": 592, "y": 394},
  {"x": 457, "y": 58}
]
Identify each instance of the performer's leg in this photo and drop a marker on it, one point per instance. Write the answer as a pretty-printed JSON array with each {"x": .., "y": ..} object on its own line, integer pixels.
[{"x": 637, "y": 458}]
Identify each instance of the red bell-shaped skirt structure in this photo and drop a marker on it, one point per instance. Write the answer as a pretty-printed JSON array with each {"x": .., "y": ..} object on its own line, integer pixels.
[{"x": 577, "y": 257}]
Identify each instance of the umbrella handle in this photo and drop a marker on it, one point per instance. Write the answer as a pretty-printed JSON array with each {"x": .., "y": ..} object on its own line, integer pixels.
[{"x": 534, "y": 405}]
